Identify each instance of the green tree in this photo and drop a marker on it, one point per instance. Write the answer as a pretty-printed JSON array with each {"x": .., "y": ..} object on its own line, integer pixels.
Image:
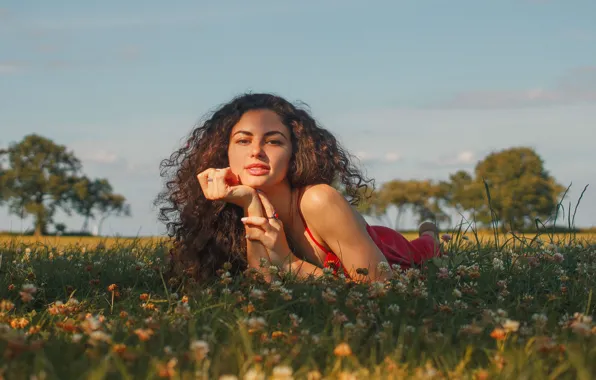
[
  {"x": 521, "y": 190},
  {"x": 38, "y": 179},
  {"x": 111, "y": 205},
  {"x": 92, "y": 196}
]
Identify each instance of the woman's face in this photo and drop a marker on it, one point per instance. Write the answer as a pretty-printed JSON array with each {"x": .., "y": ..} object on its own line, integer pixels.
[{"x": 260, "y": 149}]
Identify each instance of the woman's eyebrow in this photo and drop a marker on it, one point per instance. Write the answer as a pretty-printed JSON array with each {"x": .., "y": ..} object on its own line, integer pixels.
[{"x": 266, "y": 134}]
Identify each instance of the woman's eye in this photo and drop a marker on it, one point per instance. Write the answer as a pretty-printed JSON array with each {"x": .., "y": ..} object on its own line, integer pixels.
[
  {"x": 242, "y": 141},
  {"x": 275, "y": 142}
]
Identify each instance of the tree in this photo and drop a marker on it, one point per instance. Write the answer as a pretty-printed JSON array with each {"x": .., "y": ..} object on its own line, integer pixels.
[
  {"x": 112, "y": 205},
  {"x": 521, "y": 190},
  {"x": 38, "y": 179},
  {"x": 89, "y": 196}
]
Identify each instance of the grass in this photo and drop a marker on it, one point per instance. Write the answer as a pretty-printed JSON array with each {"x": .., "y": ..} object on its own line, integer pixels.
[{"x": 519, "y": 310}]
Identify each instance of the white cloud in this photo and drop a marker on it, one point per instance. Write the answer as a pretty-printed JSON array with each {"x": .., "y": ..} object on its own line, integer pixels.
[
  {"x": 463, "y": 158},
  {"x": 392, "y": 157}
]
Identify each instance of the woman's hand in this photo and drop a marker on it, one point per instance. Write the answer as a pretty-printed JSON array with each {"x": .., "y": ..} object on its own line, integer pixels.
[
  {"x": 270, "y": 232},
  {"x": 222, "y": 184}
]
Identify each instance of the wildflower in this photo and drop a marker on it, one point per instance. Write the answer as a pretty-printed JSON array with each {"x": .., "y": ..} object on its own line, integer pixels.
[
  {"x": 6, "y": 305},
  {"x": 144, "y": 334},
  {"x": 329, "y": 295},
  {"x": 342, "y": 349},
  {"x": 99, "y": 336},
  {"x": 167, "y": 370},
  {"x": 148, "y": 306},
  {"x": 446, "y": 238},
  {"x": 257, "y": 294},
  {"x": 112, "y": 288},
  {"x": 383, "y": 267},
  {"x": 184, "y": 299},
  {"x": 255, "y": 323},
  {"x": 282, "y": 372},
  {"x": 510, "y": 325},
  {"x": 457, "y": 293},
  {"x": 498, "y": 334},
  {"x": 254, "y": 374},
  {"x": 200, "y": 349},
  {"x": 11, "y": 287},
  {"x": 471, "y": 329},
  {"x": 19, "y": 323},
  {"x": 144, "y": 297},
  {"x": 443, "y": 273},
  {"x": 123, "y": 314},
  {"x": 119, "y": 348},
  {"x": 393, "y": 308},
  {"x": 498, "y": 264},
  {"x": 314, "y": 375}
]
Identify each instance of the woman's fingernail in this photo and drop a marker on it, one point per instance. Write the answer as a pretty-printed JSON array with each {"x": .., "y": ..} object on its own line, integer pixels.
[{"x": 243, "y": 219}]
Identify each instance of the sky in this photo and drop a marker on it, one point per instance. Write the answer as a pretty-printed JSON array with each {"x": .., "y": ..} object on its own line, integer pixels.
[{"x": 415, "y": 89}]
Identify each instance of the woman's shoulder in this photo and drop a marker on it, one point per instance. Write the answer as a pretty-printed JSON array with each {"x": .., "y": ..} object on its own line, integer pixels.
[{"x": 316, "y": 197}]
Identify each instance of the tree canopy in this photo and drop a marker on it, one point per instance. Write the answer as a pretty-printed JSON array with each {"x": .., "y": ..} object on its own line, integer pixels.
[
  {"x": 521, "y": 191},
  {"x": 38, "y": 177}
]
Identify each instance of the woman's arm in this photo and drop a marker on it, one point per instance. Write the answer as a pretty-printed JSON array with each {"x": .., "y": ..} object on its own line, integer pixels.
[
  {"x": 255, "y": 250},
  {"x": 335, "y": 221}
]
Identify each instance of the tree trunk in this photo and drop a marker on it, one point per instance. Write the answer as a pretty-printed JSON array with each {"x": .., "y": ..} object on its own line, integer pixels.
[{"x": 40, "y": 227}]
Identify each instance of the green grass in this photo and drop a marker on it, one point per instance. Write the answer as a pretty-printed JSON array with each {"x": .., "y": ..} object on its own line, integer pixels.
[{"x": 441, "y": 320}]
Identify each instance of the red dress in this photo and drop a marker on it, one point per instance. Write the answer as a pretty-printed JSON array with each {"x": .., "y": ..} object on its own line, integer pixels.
[{"x": 394, "y": 246}]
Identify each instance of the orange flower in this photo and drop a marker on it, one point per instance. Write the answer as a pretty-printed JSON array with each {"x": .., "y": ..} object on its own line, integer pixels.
[
  {"x": 498, "y": 334},
  {"x": 144, "y": 334},
  {"x": 6, "y": 305},
  {"x": 184, "y": 299},
  {"x": 144, "y": 297},
  {"x": 11, "y": 287},
  {"x": 123, "y": 314},
  {"x": 119, "y": 348},
  {"x": 112, "y": 288},
  {"x": 277, "y": 334},
  {"x": 19, "y": 323},
  {"x": 342, "y": 349}
]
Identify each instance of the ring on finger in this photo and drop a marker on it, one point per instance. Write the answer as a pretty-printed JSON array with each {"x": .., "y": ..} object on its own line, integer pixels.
[{"x": 274, "y": 216}]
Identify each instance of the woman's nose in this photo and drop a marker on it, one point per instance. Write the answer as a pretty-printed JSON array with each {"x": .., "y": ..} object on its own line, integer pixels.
[{"x": 257, "y": 149}]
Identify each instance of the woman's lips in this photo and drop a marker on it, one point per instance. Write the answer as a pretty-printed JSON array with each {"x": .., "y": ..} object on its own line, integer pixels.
[{"x": 257, "y": 171}]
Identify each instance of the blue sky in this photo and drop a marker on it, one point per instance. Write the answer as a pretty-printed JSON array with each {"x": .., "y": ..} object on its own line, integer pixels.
[{"x": 417, "y": 89}]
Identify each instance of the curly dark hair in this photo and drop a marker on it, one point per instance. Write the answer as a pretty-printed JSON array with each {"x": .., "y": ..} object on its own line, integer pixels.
[{"x": 209, "y": 233}]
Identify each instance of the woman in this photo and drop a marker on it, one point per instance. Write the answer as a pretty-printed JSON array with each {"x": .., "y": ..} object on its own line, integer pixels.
[{"x": 254, "y": 181}]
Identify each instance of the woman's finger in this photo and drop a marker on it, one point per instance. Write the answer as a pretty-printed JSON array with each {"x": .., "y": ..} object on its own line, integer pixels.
[
  {"x": 255, "y": 234},
  {"x": 255, "y": 220},
  {"x": 268, "y": 207},
  {"x": 231, "y": 178}
]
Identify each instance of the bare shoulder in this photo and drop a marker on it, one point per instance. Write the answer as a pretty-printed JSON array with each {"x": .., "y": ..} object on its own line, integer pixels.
[{"x": 318, "y": 197}]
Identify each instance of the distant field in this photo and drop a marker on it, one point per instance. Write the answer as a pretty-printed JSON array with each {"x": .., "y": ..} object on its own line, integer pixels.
[{"x": 114, "y": 242}]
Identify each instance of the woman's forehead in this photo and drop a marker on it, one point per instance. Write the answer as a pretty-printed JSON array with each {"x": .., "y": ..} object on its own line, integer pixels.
[{"x": 260, "y": 122}]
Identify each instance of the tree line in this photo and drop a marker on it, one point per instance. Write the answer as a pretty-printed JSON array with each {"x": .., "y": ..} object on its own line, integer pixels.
[
  {"x": 509, "y": 189},
  {"x": 39, "y": 177}
]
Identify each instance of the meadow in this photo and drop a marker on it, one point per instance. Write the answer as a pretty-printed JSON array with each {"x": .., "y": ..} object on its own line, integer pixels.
[{"x": 497, "y": 307}]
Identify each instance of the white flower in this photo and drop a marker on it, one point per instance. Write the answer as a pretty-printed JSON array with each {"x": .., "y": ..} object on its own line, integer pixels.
[
  {"x": 282, "y": 372},
  {"x": 510, "y": 325},
  {"x": 254, "y": 374}
]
